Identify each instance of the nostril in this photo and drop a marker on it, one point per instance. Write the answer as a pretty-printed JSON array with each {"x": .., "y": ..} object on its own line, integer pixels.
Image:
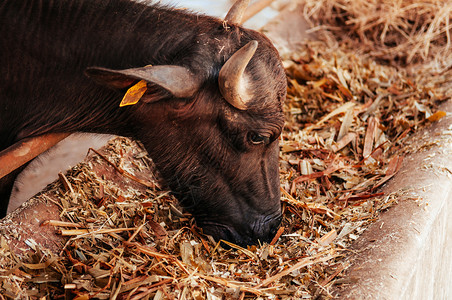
[
  {"x": 274, "y": 226},
  {"x": 263, "y": 229},
  {"x": 267, "y": 228}
]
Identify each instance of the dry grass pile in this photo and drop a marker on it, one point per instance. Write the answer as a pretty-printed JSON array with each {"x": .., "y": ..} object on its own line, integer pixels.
[
  {"x": 402, "y": 30},
  {"x": 347, "y": 119}
]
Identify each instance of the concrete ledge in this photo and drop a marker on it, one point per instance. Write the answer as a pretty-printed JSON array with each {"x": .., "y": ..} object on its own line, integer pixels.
[
  {"x": 407, "y": 253},
  {"x": 23, "y": 228}
]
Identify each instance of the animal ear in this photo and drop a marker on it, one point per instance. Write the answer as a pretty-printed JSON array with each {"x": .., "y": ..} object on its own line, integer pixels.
[{"x": 177, "y": 80}]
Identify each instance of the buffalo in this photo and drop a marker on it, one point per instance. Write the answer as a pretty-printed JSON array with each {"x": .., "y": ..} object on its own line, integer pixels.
[{"x": 211, "y": 108}]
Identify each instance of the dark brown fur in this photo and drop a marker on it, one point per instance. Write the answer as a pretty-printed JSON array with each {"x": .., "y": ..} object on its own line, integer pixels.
[{"x": 201, "y": 145}]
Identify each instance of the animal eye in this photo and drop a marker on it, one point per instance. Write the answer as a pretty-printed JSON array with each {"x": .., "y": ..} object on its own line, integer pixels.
[{"x": 256, "y": 138}]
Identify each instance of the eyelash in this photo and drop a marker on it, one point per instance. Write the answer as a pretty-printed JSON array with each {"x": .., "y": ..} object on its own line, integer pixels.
[{"x": 256, "y": 139}]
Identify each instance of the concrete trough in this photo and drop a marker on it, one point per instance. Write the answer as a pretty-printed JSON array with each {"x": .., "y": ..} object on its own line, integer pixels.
[{"x": 406, "y": 254}]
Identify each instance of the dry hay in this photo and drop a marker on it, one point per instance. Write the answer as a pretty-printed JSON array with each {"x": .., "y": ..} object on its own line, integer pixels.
[
  {"x": 348, "y": 118},
  {"x": 402, "y": 30}
]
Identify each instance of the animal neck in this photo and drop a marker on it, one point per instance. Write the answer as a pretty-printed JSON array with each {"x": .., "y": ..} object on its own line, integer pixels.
[{"x": 109, "y": 33}]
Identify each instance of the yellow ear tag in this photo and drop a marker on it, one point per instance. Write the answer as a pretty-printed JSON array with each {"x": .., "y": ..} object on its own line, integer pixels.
[{"x": 134, "y": 94}]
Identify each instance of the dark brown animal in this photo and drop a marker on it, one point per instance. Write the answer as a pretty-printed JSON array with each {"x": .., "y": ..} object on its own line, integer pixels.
[{"x": 210, "y": 117}]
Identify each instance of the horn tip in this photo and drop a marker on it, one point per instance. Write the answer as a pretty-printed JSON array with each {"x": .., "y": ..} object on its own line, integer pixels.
[
  {"x": 251, "y": 47},
  {"x": 254, "y": 43},
  {"x": 235, "y": 14}
]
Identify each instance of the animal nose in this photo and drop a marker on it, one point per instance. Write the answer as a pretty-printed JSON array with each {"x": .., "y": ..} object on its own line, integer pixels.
[
  {"x": 261, "y": 230},
  {"x": 265, "y": 230},
  {"x": 254, "y": 230}
]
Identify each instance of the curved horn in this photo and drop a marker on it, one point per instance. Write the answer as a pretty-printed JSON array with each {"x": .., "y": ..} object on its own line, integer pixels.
[
  {"x": 255, "y": 8},
  {"x": 235, "y": 14},
  {"x": 231, "y": 80}
]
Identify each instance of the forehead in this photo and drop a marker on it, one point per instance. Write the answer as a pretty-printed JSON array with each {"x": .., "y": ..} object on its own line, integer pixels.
[
  {"x": 265, "y": 111},
  {"x": 267, "y": 82},
  {"x": 265, "y": 75}
]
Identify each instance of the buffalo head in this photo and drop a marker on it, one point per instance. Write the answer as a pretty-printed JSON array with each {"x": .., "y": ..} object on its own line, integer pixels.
[{"x": 211, "y": 123}]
